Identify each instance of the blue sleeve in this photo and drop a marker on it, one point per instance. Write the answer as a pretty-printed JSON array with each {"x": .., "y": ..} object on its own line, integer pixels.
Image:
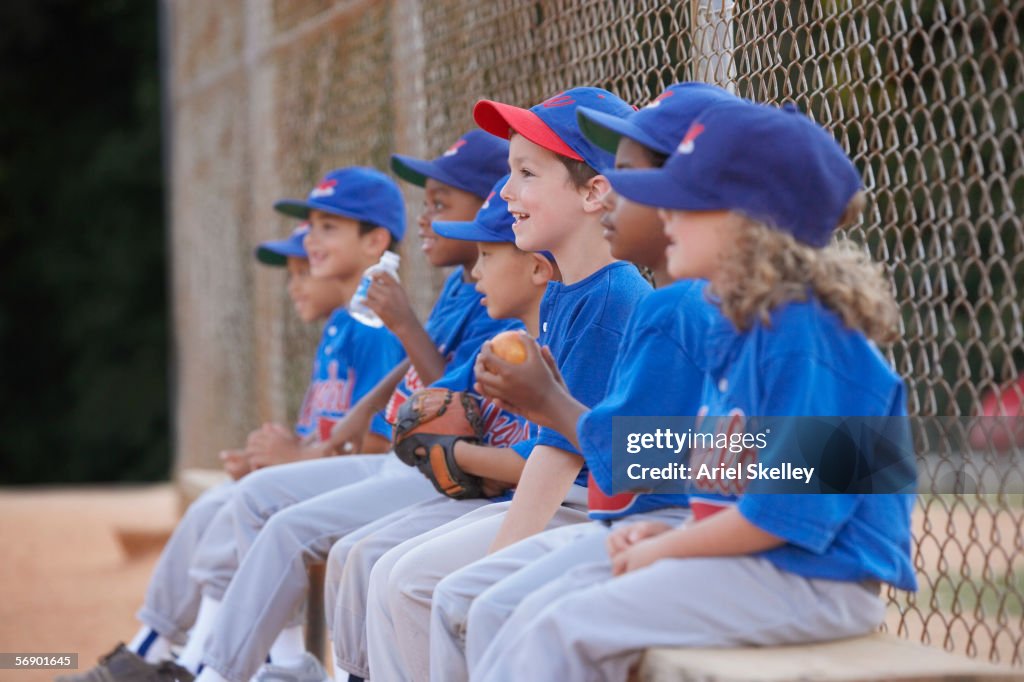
[
  {"x": 810, "y": 521},
  {"x": 458, "y": 376},
  {"x": 374, "y": 355},
  {"x": 524, "y": 447},
  {"x": 586, "y": 363},
  {"x": 653, "y": 375}
]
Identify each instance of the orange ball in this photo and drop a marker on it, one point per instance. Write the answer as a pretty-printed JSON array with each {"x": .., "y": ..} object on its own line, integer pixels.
[{"x": 509, "y": 347}]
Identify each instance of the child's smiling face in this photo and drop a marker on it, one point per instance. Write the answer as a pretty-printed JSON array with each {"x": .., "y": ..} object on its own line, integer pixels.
[
  {"x": 540, "y": 195},
  {"x": 333, "y": 245},
  {"x": 444, "y": 203}
]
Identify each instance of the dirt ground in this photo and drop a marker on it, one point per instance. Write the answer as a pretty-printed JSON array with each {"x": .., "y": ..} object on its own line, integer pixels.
[{"x": 66, "y": 583}]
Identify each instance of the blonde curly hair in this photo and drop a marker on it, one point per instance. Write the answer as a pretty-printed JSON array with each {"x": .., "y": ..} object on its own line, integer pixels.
[{"x": 768, "y": 268}]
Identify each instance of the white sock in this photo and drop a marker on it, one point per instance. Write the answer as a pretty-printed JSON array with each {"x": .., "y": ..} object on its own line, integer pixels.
[
  {"x": 289, "y": 649},
  {"x": 192, "y": 655},
  {"x": 210, "y": 675},
  {"x": 151, "y": 645}
]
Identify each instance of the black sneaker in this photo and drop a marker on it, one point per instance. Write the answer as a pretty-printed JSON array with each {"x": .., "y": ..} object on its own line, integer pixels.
[
  {"x": 124, "y": 665},
  {"x": 170, "y": 671}
]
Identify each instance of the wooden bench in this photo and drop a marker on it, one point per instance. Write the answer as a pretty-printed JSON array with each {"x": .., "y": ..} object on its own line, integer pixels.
[{"x": 874, "y": 658}]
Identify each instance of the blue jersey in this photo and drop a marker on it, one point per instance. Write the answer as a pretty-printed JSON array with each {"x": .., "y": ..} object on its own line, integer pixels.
[
  {"x": 582, "y": 324},
  {"x": 458, "y": 325},
  {"x": 659, "y": 370},
  {"x": 350, "y": 360},
  {"x": 806, "y": 363}
]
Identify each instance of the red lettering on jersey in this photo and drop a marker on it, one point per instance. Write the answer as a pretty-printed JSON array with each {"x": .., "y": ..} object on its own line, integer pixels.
[
  {"x": 409, "y": 384},
  {"x": 501, "y": 430},
  {"x": 720, "y": 453},
  {"x": 331, "y": 396}
]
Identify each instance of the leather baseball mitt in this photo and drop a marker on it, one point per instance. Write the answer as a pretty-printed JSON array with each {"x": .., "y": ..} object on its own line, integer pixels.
[{"x": 427, "y": 427}]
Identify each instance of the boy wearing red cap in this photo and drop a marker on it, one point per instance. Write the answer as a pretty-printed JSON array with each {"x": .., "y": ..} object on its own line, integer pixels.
[{"x": 554, "y": 193}]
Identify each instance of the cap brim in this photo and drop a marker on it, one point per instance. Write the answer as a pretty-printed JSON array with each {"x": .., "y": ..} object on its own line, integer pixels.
[
  {"x": 294, "y": 208},
  {"x": 268, "y": 257},
  {"x": 413, "y": 171},
  {"x": 278, "y": 252},
  {"x": 501, "y": 119},
  {"x": 606, "y": 130},
  {"x": 465, "y": 231},
  {"x": 656, "y": 187},
  {"x": 416, "y": 171}
]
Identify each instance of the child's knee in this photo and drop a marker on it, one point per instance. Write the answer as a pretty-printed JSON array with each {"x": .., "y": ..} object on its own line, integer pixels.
[
  {"x": 336, "y": 560},
  {"x": 405, "y": 582},
  {"x": 451, "y": 602},
  {"x": 287, "y": 523}
]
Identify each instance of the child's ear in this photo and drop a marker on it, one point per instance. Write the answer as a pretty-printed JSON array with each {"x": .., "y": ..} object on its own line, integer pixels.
[
  {"x": 544, "y": 270},
  {"x": 376, "y": 242},
  {"x": 596, "y": 189}
]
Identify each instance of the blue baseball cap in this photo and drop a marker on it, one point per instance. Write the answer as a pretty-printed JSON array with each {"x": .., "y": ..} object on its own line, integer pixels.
[
  {"x": 552, "y": 123},
  {"x": 659, "y": 125},
  {"x": 277, "y": 252},
  {"x": 471, "y": 163},
  {"x": 358, "y": 193},
  {"x": 493, "y": 222},
  {"x": 771, "y": 164}
]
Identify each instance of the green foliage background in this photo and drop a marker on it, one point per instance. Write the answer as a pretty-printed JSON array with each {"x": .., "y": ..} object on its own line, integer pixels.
[{"x": 83, "y": 320}]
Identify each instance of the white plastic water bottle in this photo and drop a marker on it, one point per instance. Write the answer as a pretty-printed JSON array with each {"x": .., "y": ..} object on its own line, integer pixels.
[{"x": 357, "y": 307}]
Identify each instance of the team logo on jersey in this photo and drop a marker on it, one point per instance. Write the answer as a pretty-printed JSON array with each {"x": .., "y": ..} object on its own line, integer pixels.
[
  {"x": 716, "y": 452},
  {"x": 454, "y": 149},
  {"x": 330, "y": 397},
  {"x": 501, "y": 430},
  {"x": 409, "y": 384},
  {"x": 686, "y": 146},
  {"x": 659, "y": 99},
  {"x": 324, "y": 189},
  {"x": 487, "y": 201}
]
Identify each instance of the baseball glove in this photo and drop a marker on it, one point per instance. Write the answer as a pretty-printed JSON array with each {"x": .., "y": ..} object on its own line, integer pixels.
[{"x": 427, "y": 427}]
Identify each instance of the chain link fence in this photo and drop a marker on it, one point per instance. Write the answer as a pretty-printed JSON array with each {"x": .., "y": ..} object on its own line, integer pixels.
[{"x": 927, "y": 96}]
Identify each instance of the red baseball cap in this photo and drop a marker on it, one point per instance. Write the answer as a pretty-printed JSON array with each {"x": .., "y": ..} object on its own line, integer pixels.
[{"x": 552, "y": 124}]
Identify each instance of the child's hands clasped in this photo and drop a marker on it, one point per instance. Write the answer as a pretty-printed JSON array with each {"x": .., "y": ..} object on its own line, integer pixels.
[
  {"x": 236, "y": 463},
  {"x": 635, "y": 546},
  {"x": 273, "y": 444}
]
